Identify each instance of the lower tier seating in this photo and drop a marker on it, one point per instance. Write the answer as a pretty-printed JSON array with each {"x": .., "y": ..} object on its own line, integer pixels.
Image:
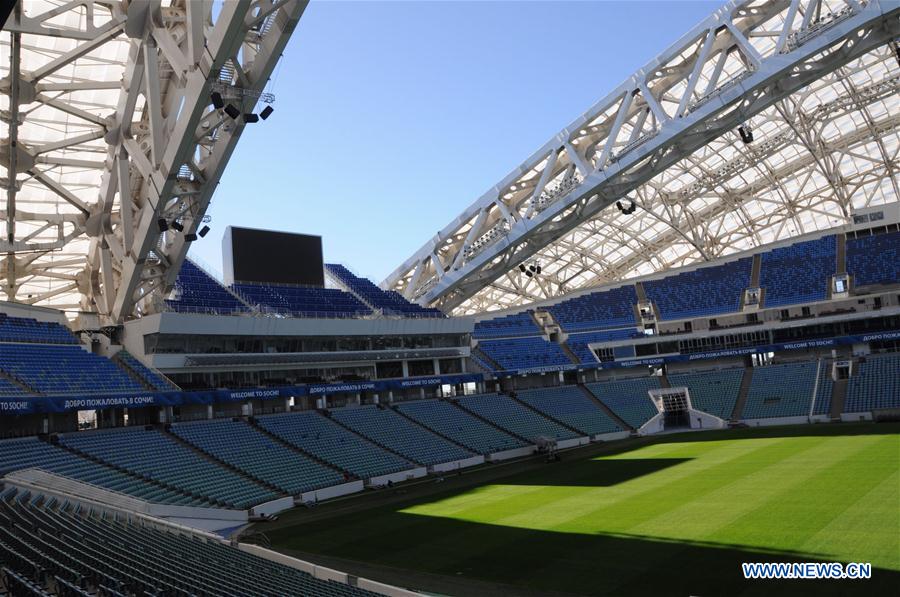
[
  {"x": 713, "y": 392},
  {"x": 57, "y": 370},
  {"x": 29, "y": 452},
  {"x": 628, "y": 398},
  {"x": 505, "y": 412},
  {"x": 781, "y": 391},
  {"x": 444, "y": 418},
  {"x": 154, "y": 455},
  {"x": 318, "y": 435},
  {"x": 569, "y": 405},
  {"x": 875, "y": 385},
  {"x": 258, "y": 455},
  {"x": 44, "y": 539},
  {"x": 387, "y": 428}
]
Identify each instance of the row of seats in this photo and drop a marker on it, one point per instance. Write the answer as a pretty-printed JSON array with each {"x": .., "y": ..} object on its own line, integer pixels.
[
  {"x": 389, "y": 301},
  {"x": 444, "y": 418},
  {"x": 876, "y": 385},
  {"x": 26, "y": 329},
  {"x": 798, "y": 273},
  {"x": 524, "y": 353},
  {"x": 156, "y": 456},
  {"x": 874, "y": 259},
  {"x": 714, "y": 392},
  {"x": 56, "y": 370},
  {"x": 627, "y": 398},
  {"x": 784, "y": 390},
  {"x": 302, "y": 301},
  {"x": 198, "y": 292},
  {"x": 579, "y": 343},
  {"x": 150, "y": 377},
  {"x": 393, "y": 431},
  {"x": 29, "y": 452},
  {"x": 597, "y": 310},
  {"x": 318, "y": 435},
  {"x": 43, "y": 540},
  {"x": 261, "y": 457},
  {"x": 508, "y": 326},
  {"x": 9, "y": 388},
  {"x": 506, "y": 413},
  {"x": 702, "y": 292},
  {"x": 571, "y": 406}
]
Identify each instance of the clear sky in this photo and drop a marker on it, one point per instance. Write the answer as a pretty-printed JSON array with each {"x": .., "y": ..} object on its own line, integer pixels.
[{"x": 392, "y": 117}]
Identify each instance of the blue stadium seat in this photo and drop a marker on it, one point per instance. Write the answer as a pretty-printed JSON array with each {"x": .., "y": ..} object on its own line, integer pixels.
[
  {"x": 876, "y": 384},
  {"x": 389, "y": 429},
  {"x": 199, "y": 292},
  {"x": 508, "y": 326},
  {"x": 317, "y": 434},
  {"x": 506, "y": 413},
  {"x": 154, "y": 455},
  {"x": 444, "y": 418},
  {"x": 597, "y": 310},
  {"x": 57, "y": 370},
  {"x": 628, "y": 398},
  {"x": 702, "y": 292},
  {"x": 256, "y": 454},
  {"x": 784, "y": 390},
  {"x": 874, "y": 259},
  {"x": 798, "y": 273},
  {"x": 389, "y": 301},
  {"x": 302, "y": 301},
  {"x": 713, "y": 392},
  {"x": 25, "y": 329},
  {"x": 524, "y": 353},
  {"x": 569, "y": 405}
]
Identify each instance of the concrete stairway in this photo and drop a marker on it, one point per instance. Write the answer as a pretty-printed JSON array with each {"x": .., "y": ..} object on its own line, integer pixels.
[
  {"x": 746, "y": 380},
  {"x": 609, "y": 413}
]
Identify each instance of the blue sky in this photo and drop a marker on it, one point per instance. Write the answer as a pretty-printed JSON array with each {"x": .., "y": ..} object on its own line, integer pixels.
[{"x": 392, "y": 117}]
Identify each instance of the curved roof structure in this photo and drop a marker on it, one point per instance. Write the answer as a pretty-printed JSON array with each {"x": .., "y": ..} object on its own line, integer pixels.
[
  {"x": 771, "y": 119},
  {"x": 111, "y": 143}
]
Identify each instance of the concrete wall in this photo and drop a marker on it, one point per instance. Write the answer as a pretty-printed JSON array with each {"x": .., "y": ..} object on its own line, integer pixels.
[
  {"x": 273, "y": 507},
  {"x": 510, "y": 454},
  {"x": 398, "y": 477},
  {"x": 609, "y": 437},
  {"x": 456, "y": 464},
  {"x": 326, "y": 493},
  {"x": 571, "y": 443}
]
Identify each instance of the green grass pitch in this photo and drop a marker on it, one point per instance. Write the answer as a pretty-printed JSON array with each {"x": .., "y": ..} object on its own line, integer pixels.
[{"x": 675, "y": 516}]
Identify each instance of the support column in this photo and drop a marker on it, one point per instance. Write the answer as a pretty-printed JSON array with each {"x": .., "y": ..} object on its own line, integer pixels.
[
  {"x": 376, "y": 399},
  {"x": 209, "y": 411},
  {"x": 405, "y": 368},
  {"x": 390, "y": 396},
  {"x": 437, "y": 366}
]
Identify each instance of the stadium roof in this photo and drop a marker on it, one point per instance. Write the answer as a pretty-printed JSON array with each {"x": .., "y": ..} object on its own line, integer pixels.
[
  {"x": 815, "y": 85},
  {"x": 108, "y": 99}
]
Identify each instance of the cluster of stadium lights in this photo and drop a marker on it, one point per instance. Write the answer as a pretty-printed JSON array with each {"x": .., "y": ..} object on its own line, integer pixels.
[
  {"x": 190, "y": 237},
  {"x": 531, "y": 270},
  {"x": 627, "y": 210},
  {"x": 234, "y": 113}
]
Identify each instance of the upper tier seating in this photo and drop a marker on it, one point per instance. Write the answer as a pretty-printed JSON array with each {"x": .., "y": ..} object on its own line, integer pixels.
[
  {"x": 301, "y": 301},
  {"x": 154, "y": 455},
  {"x": 578, "y": 343},
  {"x": 450, "y": 421},
  {"x": 824, "y": 390},
  {"x": 42, "y": 538},
  {"x": 702, "y": 292},
  {"x": 503, "y": 411},
  {"x": 598, "y": 310},
  {"x": 524, "y": 353},
  {"x": 876, "y": 384},
  {"x": 713, "y": 392},
  {"x": 628, "y": 398},
  {"x": 387, "y": 428},
  {"x": 318, "y": 435},
  {"x": 508, "y": 326},
  {"x": 798, "y": 273},
  {"x": 261, "y": 457},
  {"x": 55, "y": 369},
  {"x": 874, "y": 259},
  {"x": 781, "y": 391},
  {"x": 199, "y": 292},
  {"x": 390, "y": 302},
  {"x": 569, "y": 405},
  {"x": 29, "y": 452},
  {"x": 152, "y": 378},
  {"x": 23, "y": 329}
]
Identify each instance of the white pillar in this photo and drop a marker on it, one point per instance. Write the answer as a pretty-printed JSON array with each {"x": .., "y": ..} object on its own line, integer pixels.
[
  {"x": 405, "y": 368},
  {"x": 422, "y": 393},
  {"x": 357, "y": 399},
  {"x": 390, "y": 396},
  {"x": 209, "y": 411},
  {"x": 437, "y": 367},
  {"x": 376, "y": 399}
]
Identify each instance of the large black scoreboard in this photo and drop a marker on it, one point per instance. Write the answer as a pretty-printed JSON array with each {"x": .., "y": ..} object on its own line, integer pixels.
[{"x": 270, "y": 257}]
